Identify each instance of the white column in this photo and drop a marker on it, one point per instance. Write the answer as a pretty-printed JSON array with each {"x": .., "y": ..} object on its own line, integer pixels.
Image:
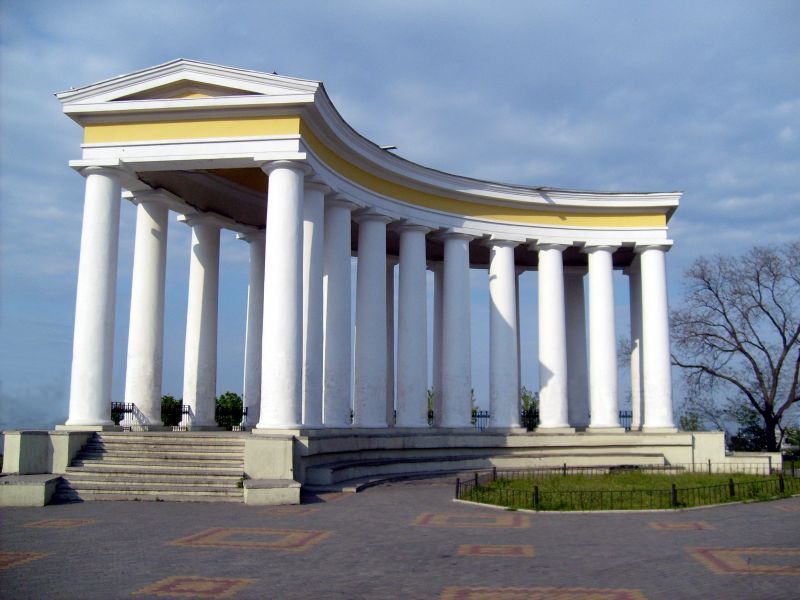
[
  {"x": 391, "y": 261},
  {"x": 412, "y": 330},
  {"x": 456, "y": 363},
  {"x": 146, "y": 325},
  {"x": 282, "y": 343},
  {"x": 553, "y": 406},
  {"x": 369, "y": 400},
  {"x": 313, "y": 266},
  {"x": 200, "y": 353},
  {"x": 578, "y": 381},
  {"x": 337, "y": 316},
  {"x": 503, "y": 338},
  {"x": 436, "y": 361},
  {"x": 635, "y": 294},
  {"x": 655, "y": 340},
  {"x": 93, "y": 342},
  {"x": 602, "y": 340},
  {"x": 254, "y": 327},
  {"x": 517, "y": 272}
]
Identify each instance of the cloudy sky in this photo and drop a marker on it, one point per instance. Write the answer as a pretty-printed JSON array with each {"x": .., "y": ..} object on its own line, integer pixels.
[{"x": 702, "y": 97}]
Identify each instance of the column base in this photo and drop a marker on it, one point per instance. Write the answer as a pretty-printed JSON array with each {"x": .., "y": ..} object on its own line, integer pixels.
[
  {"x": 66, "y": 427},
  {"x": 647, "y": 429},
  {"x": 607, "y": 430},
  {"x": 554, "y": 430}
]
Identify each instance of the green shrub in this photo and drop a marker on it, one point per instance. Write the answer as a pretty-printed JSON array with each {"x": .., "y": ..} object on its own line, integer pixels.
[
  {"x": 228, "y": 410},
  {"x": 171, "y": 411}
]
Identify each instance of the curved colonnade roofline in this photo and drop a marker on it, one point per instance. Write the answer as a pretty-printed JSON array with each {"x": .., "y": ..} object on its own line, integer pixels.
[{"x": 201, "y": 131}]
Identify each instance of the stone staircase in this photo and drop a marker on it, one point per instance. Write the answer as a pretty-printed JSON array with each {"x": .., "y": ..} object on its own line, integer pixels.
[
  {"x": 355, "y": 474},
  {"x": 169, "y": 466}
]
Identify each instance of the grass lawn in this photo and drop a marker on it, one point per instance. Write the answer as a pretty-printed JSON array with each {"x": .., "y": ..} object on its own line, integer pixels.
[{"x": 627, "y": 490}]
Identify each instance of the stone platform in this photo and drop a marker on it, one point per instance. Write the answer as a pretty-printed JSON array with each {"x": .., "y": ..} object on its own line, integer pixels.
[{"x": 274, "y": 465}]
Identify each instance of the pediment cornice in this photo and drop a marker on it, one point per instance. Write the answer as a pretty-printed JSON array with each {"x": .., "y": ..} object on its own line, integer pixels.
[{"x": 192, "y": 73}]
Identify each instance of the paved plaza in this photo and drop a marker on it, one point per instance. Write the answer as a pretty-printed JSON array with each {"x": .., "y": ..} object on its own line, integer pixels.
[{"x": 402, "y": 540}]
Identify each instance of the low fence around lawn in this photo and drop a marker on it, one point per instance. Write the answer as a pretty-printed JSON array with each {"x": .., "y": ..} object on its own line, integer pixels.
[{"x": 478, "y": 489}]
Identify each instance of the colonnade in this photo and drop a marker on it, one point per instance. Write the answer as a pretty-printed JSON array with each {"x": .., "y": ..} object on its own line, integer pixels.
[{"x": 300, "y": 371}]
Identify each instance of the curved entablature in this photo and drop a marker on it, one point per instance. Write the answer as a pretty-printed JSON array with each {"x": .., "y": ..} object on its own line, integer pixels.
[{"x": 177, "y": 123}]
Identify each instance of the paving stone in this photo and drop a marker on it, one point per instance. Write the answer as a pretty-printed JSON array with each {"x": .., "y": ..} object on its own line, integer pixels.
[{"x": 366, "y": 545}]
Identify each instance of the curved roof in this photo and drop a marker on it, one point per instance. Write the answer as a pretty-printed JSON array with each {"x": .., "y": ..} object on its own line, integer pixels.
[{"x": 186, "y": 116}]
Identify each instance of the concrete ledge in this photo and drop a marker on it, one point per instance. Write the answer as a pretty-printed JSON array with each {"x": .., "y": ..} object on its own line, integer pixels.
[
  {"x": 271, "y": 492},
  {"x": 89, "y": 428},
  {"x": 659, "y": 430},
  {"x": 556, "y": 430},
  {"x": 27, "y": 490},
  {"x": 607, "y": 430}
]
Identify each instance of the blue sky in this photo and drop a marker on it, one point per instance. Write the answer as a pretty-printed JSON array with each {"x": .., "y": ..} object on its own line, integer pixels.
[{"x": 702, "y": 97}]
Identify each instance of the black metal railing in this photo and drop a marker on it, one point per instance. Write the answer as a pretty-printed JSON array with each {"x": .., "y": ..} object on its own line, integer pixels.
[
  {"x": 187, "y": 416},
  {"x": 128, "y": 416},
  {"x": 122, "y": 412},
  {"x": 477, "y": 489},
  {"x": 625, "y": 419},
  {"x": 242, "y": 426},
  {"x": 480, "y": 419}
]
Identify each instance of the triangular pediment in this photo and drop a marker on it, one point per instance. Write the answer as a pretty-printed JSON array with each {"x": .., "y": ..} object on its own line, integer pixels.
[
  {"x": 184, "y": 79},
  {"x": 184, "y": 90}
]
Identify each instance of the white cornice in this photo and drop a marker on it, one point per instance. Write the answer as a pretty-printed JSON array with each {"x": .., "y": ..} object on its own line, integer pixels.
[{"x": 183, "y": 69}]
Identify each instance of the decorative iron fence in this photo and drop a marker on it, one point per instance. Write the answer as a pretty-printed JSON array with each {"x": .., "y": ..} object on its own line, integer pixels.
[
  {"x": 477, "y": 489},
  {"x": 122, "y": 414},
  {"x": 187, "y": 416},
  {"x": 480, "y": 419}
]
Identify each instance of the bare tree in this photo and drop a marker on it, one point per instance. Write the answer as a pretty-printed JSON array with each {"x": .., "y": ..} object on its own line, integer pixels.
[{"x": 737, "y": 332}]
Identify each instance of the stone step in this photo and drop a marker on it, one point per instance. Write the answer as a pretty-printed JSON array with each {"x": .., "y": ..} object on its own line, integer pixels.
[
  {"x": 156, "y": 461},
  {"x": 160, "y": 455},
  {"x": 156, "y": 468},
  {"x": 172, "y": 435},
  {"x": 127, "y": 485},
  {"x": 201, "y": 442},
  {"x": 334, "y": 473},
  {"x": 170, "y": 477},
  {"x": 78, "y": 496},
  {"x": 178, "y": 442}
]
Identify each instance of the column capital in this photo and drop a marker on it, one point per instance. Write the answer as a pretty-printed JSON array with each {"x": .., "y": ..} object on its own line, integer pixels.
[
  {"x": 403, "y": 226},
  {"x": 451, "y": 234},
  {"x": 496, "y": 241},
  {"x": 295, "y": 165},
  {"x": 257, "y": 235},
  {"x": 549, "y": 245},
  {"x": 318, "y": 186},
  {"x": 109, "y": 171},
  {"x": 664, "y": 245},
  {"x": 368, "y": 214},
  {"x": 204, "y": 218},
  {"x": 335, "y": 199},
  {"x": 600, "y": 246},
  {"x": 159, "y": 196}
]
